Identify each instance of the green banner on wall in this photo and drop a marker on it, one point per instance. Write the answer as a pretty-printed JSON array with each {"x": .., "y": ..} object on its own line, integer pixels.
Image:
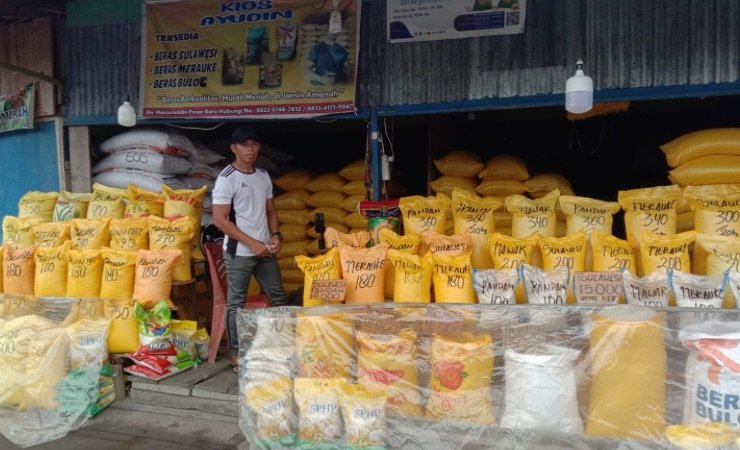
[{"x": 16, "y": 109}]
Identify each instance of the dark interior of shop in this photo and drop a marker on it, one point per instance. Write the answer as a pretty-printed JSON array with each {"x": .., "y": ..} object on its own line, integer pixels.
[{"x": 600, "y": 155}]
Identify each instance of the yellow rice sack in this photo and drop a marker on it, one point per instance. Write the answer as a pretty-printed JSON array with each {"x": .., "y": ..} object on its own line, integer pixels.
[
  {"x": 666, "y": 252},
  {"x": 143, "y": 203},
  {"x": 119, "y": 272},
  {"x": 123, "y": 336},
  {"x": 354, "y": 171},
  {"x": 153, "y": 280},
  {"x": 319, "y": 413},
  {"x": 424, "y": 213},
  {"x": 476, "y": 217},
  {"x": 291, "y": 276},
  {"x": 446, "y": 184},
  {"x": 362, "y": 269},
  {"x": 186, "y": 203},
  {"x": 504, "y": 167},
  {"x": 459, "y": 164},
  {"x": 18, "y": 232},
  {"x": 177, "y": 234},
  {"x": 500, "y": 187},
  {"x": 460, "y": 379},
  {"x": 364, "y": 411},
  {"x": 335, "y": 238},
  {"x": 323, "y": 267},
  {"x": 713, "y": 141},
  {"x": 649, "y": 209},
  {"x": 302, "y": 217},
  {"x": 542, "y": 184},
  {"x": 716, "y": 208},
  {"x": 293, "y": 180},
  {"x": 510, "y": 253},
  {"x": 292, "y": 232},
  {"x": 352, "y": 202},
  {"x": 18, "y": 269},
  {"x": 357, "y": 188},
  {"x": 331, "y": 214},
  {"x": 452, "y": 277},
  {"x": 325, "y": 198},
  {"x": 340, "y": 227},
  {"x": 38, "y": 205},
  {"x": 70, "y": 205},
  {"x": 568, "y": 252},
  {"x": 84, "y": 273},
  {"x": 388, "y": 363},
  {"x": 50, "y": 276},
  {"x": 627, "y": 350},
  {"x": 326, "y": 182},
  {"x": 291, "y": 249},
  {"x": 412, "y": 276},
  {"x": 324, "y": 345},
  {"x": 287, "y": 263},
  {"x": 90, "y": 234},
  {"x": 712, "y": 169},
  {"x": 2, "y": 248},
  {"x": 588, "y": 214},
  {"x": 684, "y": 221},
  {"x": 273, "y": 404},
  {"x": 533, "y": 216},
  {"x": 292, "y": 200},
  {"x": 355, "y": 220},
  {"x": 442, "y": 244},
  {"x": 611, "y": 253},
  {"x": 129, "y": 234},
  {"x": 715, "y": 255},
  {"x": 51, "y": 234},
  {"x": 408, "y": 243},
  {"x": 106, "y": 201}
]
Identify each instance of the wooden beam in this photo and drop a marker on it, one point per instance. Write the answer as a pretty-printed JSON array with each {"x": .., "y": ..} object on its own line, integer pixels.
[{"x": 31, "y": 73}]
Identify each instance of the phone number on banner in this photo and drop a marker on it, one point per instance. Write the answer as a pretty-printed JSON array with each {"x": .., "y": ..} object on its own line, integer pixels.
[{"x": 261, "y": 110}]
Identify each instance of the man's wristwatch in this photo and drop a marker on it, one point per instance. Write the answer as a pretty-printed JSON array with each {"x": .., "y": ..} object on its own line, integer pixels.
[{"x": 279, "y": 235}]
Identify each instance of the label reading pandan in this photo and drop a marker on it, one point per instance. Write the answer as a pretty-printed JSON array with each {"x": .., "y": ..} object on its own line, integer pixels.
[
  {"x": 651, "y": 291},
  {"x": 545, "y": 287},
  {"x": 495, "y": 287}
]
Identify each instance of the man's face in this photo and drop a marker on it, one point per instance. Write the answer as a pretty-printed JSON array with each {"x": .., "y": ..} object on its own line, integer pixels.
[{"x": 246, "y": 151}]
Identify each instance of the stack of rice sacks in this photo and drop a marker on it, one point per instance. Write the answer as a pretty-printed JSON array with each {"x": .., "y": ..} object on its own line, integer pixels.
[
  {"x": 709, "y": 158},
  {"x": 501, "y": 176},
  {"x": 111, "y": 246}
]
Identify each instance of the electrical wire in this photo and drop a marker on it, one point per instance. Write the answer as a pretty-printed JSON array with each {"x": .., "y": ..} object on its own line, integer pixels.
[{"x": 186, "y": 127}]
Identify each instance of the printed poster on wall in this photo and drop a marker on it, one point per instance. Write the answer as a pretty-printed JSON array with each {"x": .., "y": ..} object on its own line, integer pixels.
[
  {"x": 261, "y": 58},
  {"x": 16, "y": 109},
  {"x": 429, "y": 20}
]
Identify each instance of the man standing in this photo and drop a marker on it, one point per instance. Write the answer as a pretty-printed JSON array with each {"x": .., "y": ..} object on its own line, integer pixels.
[{"x": 243, "y": 208}]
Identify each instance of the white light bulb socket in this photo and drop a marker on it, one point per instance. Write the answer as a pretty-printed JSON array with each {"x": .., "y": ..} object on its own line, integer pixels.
[
  {"x": 126, "y": 115},
  {"x": 579, "y": 91}
]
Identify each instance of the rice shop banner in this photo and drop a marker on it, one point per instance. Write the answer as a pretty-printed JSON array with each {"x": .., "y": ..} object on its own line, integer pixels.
[
  {"x": 263, "y": 58},
  {"x": 428, "y": 20}
]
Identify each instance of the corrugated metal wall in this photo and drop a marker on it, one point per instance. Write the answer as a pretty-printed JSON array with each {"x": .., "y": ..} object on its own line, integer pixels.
[{"x": 625, "y": 44}]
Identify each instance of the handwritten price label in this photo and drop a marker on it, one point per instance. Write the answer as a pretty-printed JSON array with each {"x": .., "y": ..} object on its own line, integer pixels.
[
  {"x": 598, "y": 287},
  {"x": 327, "y": 290}
]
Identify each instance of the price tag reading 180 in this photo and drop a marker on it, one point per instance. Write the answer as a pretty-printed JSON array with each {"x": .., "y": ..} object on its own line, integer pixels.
[{"x": 598, "y": 287}]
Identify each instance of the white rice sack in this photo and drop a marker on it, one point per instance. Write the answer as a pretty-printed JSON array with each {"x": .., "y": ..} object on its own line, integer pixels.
[
  {"x": 151, "y": 181},
  {"x": 275, "y": 154},
  {"x": 545, "y": 287},
  {"x": 495, "y": 287},
  {"x": 651, "y": 290},
  {"x": 201, "y": 170},
  {"x": 712, "y": 373},
  {"x": 734, "y": 286},
  {"x": 197, "y": 182},
  {"x": 697, "y": 291},
  {"x": 158, "y": 140},
  {"x": 144, "y": 160},
  {"x": 541, "y": 391},
  {"x": 200, "y": 153}
]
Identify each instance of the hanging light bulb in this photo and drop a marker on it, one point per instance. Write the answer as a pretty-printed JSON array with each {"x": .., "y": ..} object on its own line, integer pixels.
[
  {"x": 335, "y": 18},
  {"x": 126, "y": 114},
  {"x": 579, "y": 91}
]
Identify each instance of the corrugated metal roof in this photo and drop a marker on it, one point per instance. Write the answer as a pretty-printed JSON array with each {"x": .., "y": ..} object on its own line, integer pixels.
[{"x": 625, "y": 44}]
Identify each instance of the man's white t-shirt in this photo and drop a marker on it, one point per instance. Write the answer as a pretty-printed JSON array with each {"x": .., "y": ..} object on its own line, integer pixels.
[{"x": 249, "y": 193}]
